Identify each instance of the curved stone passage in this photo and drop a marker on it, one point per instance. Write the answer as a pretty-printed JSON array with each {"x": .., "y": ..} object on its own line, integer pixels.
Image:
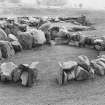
[{"x": 46, "y": 90}]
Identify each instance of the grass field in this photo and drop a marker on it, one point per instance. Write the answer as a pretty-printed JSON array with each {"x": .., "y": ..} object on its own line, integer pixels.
[{"x": 46, "y": 91}]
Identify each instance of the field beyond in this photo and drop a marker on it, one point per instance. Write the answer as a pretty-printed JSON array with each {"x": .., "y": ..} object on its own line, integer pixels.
[{"x": 46, "y": 91}]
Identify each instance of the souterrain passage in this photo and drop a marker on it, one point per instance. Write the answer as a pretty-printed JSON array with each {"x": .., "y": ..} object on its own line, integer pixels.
[{"x": 46, "y": 91}]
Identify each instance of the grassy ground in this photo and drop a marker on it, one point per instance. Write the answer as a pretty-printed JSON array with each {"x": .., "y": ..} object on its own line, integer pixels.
[{"x": 46, "y": 91}]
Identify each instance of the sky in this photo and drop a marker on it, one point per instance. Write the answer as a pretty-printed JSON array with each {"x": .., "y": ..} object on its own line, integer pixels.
[
  {"x": 91, "y": 4},
  {"x": 95, "y": 4}
]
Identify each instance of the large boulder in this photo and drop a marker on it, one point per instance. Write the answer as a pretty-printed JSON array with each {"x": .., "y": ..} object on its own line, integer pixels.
[
  {"x": 84, "y": 62},
  {"x": 16, "y": 74},
  {"x": 6, "y": 49},
  {"x": 66, "y": 72},
  {"x": 99, "y": 44},
  {"x": 74, "y": 39},
  {"x": 45, "y": 27},
  {"x": 99, "y": 67},
  {"x": 15, "y": 43},
  {"x": 38, "y": 37},
  {"x": 6, "y": 71},
  {"x": 81, "y": 74},
  {"x": 25, "y": 73},
  {"x": 25, "y": 39}
]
